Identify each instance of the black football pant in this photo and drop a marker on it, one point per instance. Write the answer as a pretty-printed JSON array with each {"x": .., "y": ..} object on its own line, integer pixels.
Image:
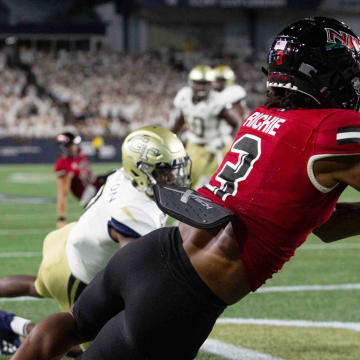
[{"x": 148, "y": 303}]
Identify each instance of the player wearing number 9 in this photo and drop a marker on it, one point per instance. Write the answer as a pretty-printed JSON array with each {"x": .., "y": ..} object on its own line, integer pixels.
[
  {"x": 286, "y": 169},
  {"x": 198, "y": 111}
]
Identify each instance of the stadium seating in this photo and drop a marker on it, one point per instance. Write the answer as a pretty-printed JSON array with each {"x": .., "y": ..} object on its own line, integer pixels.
[{"x": 102, "y": 94}]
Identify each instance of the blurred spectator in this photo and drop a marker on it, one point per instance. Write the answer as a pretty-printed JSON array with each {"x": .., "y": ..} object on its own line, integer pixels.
[
  {"x": 97, "y": 144},
  {"x": 102, "y": 94}
]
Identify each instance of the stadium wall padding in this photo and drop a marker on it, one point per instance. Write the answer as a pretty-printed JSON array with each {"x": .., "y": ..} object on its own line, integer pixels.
[{"x": 42, "y": 151}]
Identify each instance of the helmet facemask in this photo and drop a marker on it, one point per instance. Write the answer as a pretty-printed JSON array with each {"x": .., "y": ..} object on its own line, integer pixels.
[
  {"x": 152, "y": 155},
  {"x": 178, "y": 173},
  {"x": 219, "y": 84},
  {"x": 201, "y": 89}
]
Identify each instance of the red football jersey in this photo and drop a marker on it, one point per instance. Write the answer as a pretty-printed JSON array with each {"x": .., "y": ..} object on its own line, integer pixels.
[
  {"x": 267, "y": 180},
  {"x": 82, "y": 173}
]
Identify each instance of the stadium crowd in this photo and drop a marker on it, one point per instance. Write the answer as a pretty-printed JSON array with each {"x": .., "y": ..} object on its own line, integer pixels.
[{"x": 102, "y": 94}]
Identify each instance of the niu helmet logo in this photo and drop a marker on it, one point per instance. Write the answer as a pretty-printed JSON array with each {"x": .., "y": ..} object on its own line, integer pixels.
[
  {"x": 346, "y": 39},
  {"x": 138, "y": 144}
]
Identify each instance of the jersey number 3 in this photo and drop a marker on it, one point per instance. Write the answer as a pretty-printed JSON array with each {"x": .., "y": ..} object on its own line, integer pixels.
[{"x": 248, "y": 150}]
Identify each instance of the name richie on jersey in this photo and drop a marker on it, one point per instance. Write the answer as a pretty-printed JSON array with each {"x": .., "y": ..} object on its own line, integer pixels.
[{"x": 263, "y": 122}]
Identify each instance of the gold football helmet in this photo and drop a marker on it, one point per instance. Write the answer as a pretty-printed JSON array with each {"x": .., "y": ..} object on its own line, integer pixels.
[
  {"x": 224, "y": 77},
  {"x": 153, "y": 154},
  {"x": 200, "y": 79}
]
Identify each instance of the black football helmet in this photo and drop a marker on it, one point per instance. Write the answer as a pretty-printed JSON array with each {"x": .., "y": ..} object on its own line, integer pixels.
[
  {"x": 320, "y": 58},
  {"x": 65, "y": 140}
]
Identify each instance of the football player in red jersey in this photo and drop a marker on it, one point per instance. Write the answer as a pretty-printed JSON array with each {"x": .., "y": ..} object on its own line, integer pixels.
[
  {"x": 282, "y": 177},
  {"x": 74, "y": 174}
]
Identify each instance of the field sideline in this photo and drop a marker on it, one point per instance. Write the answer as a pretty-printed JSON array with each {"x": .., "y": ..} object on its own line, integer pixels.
[{"x": 310, "y": 310}]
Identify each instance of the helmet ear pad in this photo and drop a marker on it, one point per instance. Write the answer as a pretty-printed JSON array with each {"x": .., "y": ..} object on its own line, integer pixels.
[{"x": 201, "y": 89}]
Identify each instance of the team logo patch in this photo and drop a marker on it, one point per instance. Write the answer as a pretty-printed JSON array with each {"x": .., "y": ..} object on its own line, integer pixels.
[
  {"x": 348, "y": 135},
  {"x": 333, "y": 37}
]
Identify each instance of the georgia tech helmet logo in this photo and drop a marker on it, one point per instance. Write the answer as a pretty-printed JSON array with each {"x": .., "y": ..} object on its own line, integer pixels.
[{"x": 138, "y": 145}]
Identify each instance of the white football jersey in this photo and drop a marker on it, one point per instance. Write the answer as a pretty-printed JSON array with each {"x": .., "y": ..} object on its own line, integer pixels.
[
  {"x": 201, "y": 119},
  {"x": 117, "y": 204},
  {"x": 233, "y": 94}
]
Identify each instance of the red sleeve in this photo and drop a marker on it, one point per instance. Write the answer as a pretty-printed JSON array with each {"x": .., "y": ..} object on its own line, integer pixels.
[
  {"x": 339, "y": 133},
  {"x": 61, "y": 167}
]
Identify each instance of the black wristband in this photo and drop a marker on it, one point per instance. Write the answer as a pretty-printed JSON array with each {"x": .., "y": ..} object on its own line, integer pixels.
[{"x": 61, "y": 218}]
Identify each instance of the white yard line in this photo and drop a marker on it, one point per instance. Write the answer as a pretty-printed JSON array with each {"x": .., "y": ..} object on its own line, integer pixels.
[
  {"x": 35, "y": 231},
  {"x": 269, "y": 289},
  {"x": 19, "y": 254},
  {"x": 309, "y": 288},
  {"x": 264, "y": 290},
  {"x": 29, "y": 178},
  {"x": 37, "y": 215},
  {"x": 21, "y": 299},
  {"x": 237, "y": 321},
  {"x": 232, "y": 352},
  {"x": 294, "y": 323},
  {"x": 14, "y": 232},
  {"x": 328, "y": 246}
]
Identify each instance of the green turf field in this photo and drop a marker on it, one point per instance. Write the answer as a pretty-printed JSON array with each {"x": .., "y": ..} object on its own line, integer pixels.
[{"x": 27, "y": 213}]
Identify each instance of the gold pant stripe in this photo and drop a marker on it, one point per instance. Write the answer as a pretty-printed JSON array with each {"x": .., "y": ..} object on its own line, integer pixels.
[{"x": 74, "y": 289}]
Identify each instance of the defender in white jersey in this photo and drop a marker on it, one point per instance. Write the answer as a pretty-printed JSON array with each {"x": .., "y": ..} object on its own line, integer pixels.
[
  {"x": 118, "y": 206},
  {"x": 233, "y": 95},
  {"x": 198, "y": 111},
  {"x": 122, "y": 210}
]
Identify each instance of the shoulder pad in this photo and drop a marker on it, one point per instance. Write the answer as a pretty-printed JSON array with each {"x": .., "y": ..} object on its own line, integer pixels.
[
  {"x": 216, "y": 102},
  {"x": 184, "y": 95},
  {"x": 233, "y": 94}
]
